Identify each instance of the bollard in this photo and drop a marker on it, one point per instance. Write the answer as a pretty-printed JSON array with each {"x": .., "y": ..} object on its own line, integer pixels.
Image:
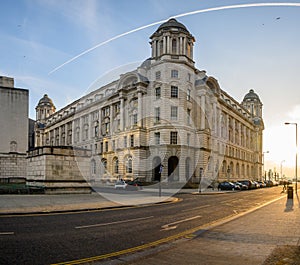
[{"x": 290, "y": 193}]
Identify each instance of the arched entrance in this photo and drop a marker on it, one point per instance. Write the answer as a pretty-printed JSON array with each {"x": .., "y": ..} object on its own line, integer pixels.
[
  {"x": 173, "y": 169},
  {"x": 156, "y": 168}
]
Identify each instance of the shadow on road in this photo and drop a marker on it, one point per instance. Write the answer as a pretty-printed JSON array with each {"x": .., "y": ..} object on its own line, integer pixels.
[{"x": 289, "y": 205}]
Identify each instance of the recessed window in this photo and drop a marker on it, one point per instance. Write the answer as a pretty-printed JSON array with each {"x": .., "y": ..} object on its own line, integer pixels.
[
  {"x": 174, "y": 73},
  {"x": 188, "y": 116},
  {"x": 174, "y": 112},
  {"x": 157, "y": 75},
  {"x": 174, "y": 92},
  {"x": 157, "y": 138},
  {"x": 157, "y": 114},
  {"x": 125, "y": 141},
  {"x": 188, "y": 95},
  {"x": 173, "y": 137},
  {"x": 157, "y": 92},
  {"x": 131, "y": 140},
  {"x": 128, "y": 164},
  {"x": 135, "y": 119}
]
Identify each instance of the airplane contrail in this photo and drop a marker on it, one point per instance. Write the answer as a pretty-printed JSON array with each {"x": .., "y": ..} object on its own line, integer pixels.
[{"x": 176, "y": 16}]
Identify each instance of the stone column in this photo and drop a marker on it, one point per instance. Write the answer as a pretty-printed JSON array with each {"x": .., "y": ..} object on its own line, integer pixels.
[
  {"x": 168, "y": 44},
  {"x": 164, "y": 44},
  {"x": 202, "y": 103},
  {"x": 184, "y": 46},
  {"x": 122, "y": 121},
  {"x": 140, "y": 109}
]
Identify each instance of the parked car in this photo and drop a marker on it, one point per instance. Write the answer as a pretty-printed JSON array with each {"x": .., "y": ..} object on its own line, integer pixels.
[
  {"x": 269, "y": 183},
  {"x": 256, "y": 185},
  {"x": 242, "y": 186},
  {"x": 127, "y": 185},
  {"x": 120, "y": 184},
  {"x": 228, "y": 186},
  {"x": 250, "y": 184},
  {"x": 134, "y": 184},
  {"x": 262, "y": 184}
]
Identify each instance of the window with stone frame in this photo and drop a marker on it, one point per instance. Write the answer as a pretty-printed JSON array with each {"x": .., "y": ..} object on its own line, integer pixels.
[
  {"x": 174, "y": 92},
  {"x": 125, "y": 141},
  {"x": 173, "y": 137},
  {"x": 157, "y": 138},
  {"x": 174, "y": 73},
  {"x": 157, "y": 75},
  {"x": 157, "y": 92},
  {"x": 116, "y": 165},
  {"x": 157, "y": 114},
  {"x": 188, "y": 95},
  {"x": 128, "y": 164},
  {"x": 174, "y": 112},
  {"x": 132, "y": 140}
]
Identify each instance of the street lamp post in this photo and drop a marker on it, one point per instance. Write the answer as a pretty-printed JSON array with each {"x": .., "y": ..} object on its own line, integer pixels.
[
  {"x": 263, "y": 162},
  {"x": 281, "y": 169},
  {"x": 294, "y": 123}
]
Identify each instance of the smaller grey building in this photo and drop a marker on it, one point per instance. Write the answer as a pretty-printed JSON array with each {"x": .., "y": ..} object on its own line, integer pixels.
[{"x": 14, "y": 129}]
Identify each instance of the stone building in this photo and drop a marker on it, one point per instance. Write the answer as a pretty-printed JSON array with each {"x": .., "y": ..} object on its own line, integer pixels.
[
  {"x": 14, "y": 129},
  {"x": 166, "y": 114}
]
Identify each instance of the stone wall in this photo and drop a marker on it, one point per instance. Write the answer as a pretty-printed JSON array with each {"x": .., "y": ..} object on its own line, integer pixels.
[
  {"x": 60, "y": 169},
  {"x": 13, "y": 165}
]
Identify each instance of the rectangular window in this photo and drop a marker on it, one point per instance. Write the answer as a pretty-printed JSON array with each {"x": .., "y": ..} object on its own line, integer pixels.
[
  {"x": 106, "y": 146},
  {"x": 131, "y": 140},
  {"x": 174, "y": 112},
  {"x": 101, "y": 148},
  {"x": 157, "y": 138},
  {"x": 174, "y": 73},
  {"x": 157, "y": 114},
  {"x": 135, "y": 119},
  {"x": 157, "y": 75},
  {"x": 188, "y": 95},
  {"x": 125, "y": 141},
  {"x": 188, "y": 139},
  {"x": 188, "y": 116},
  {"x": 173, "y": 137},
  {"x": 157, "y": 92},
  {"x": 174, "y": 92},
  {"x": 106, "y": 111},
  {"x": 114, "y": 145}
]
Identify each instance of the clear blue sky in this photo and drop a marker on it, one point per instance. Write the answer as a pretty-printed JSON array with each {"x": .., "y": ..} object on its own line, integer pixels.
[{"x": 246, "y": 48}]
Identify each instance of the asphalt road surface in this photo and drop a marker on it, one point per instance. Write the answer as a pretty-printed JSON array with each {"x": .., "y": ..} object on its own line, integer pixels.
[{"x": 58, "y": 238}]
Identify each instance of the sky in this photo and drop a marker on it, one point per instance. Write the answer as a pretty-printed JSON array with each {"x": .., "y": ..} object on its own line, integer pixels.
[{"x": 250, "y": 47}]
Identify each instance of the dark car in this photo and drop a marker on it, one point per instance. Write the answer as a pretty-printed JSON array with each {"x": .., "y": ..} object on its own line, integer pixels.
[
  {"x": 242, "y": 186},
  {"x": 228, "y": 186},
  {"x": 134, "y": 185},
  {"x": 250, "y": 184}
]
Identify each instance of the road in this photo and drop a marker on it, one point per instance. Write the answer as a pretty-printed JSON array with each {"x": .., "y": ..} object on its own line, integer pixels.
[{"x": 55, "y": 238}]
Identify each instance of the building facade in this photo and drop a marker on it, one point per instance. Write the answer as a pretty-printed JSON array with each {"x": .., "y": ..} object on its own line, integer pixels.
[
  {"x": 14, "y": 130},
  {"x": 166, "y": 120}
]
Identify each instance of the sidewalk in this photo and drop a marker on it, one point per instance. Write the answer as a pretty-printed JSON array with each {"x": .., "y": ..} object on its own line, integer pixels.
[
  {"x": 248, "y": 239},
  {"x": 43, "y": 203}
]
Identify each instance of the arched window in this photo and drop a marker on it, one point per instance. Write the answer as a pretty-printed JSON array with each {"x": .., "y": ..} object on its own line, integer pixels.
[
  {"x": 224, "y": 166},
  {"x": 104, "y": 163},
  {"x": 237, "y": 170},
  {"x": 116, "y": 165},
  {"x": 128, "y": 164}
]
